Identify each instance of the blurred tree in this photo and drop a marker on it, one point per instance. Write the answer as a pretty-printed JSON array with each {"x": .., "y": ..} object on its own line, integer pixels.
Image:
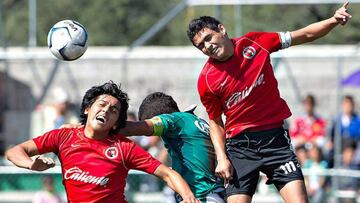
[
  {"x": 120, "y": 22},
  {"x": 15, "y": 24},
  {"x": 109, "y": 22}
]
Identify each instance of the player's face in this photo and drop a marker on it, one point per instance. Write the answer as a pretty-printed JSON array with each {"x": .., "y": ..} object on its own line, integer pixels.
[
  {"x": 214, "y": 44},
  {"x": 103, "y": 113}
]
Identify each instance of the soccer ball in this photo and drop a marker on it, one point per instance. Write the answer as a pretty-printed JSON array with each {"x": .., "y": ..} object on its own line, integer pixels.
[{"x": 67, "y": 40}]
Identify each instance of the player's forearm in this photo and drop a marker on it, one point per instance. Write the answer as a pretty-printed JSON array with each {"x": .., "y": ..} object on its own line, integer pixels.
[
  {"x": 174, "y": 181},
  {"x": 313, "y": 31},
  {"x": 18, "y": 156},
  {"x": 217, "y": 134},
  {"x": 137, "y": 128},
  {"x": 178, "y": 184}
]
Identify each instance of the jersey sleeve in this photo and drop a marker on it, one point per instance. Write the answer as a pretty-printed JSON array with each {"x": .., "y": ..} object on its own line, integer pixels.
[
  {"x": 165, "y": 125},
  {"x": 208, "y": 98},
  {"x": 271, "y": 41},
  {"x": 48, "y": 142},
  {"x": 139, "y": 159},
  {"x": 158, "y": 126}
]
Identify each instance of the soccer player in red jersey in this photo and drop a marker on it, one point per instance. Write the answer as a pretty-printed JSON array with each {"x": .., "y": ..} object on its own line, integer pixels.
[
  {"x": 238, "y": 81},
  {"x": 95, "y": 160}
]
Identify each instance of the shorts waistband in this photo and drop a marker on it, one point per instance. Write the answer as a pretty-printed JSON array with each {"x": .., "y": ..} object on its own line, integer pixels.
[
  {"x": 258, "y": 134},
  {"x": 264, "y": 127}
]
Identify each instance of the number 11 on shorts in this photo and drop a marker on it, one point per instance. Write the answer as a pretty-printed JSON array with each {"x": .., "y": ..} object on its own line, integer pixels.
[{"x": 288, "y": 167}]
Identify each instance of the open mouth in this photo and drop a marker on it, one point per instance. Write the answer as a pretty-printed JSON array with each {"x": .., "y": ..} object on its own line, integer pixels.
[
  {"x": 101, "y": 119},
  {"x": 214, "y": 50}
]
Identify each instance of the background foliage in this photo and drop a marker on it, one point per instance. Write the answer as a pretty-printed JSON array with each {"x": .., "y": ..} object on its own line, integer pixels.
[{"x": 120, "y": 22}]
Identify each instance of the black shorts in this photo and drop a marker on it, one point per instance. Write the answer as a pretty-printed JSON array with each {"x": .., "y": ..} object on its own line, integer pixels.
[{"x": 268, "y": 151}]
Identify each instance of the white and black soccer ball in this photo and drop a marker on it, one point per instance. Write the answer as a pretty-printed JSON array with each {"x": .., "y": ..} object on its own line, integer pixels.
[{"x": 67, "y": 40}]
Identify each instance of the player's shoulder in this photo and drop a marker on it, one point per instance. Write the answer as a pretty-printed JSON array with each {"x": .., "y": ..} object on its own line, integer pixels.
[
  {"x": 185, "y": 114},
  {"x": 67, "y": 132},
  {"x": 183, "y": 117},
  {"x": 180, "y": 115},
  {"x": 168, "y": 117},
  {"x": 173, "y": 119},
  {"x": 209, "y": 71},
  {"x": 208, "y": 65},
  {"x": 255, "y": 36}
]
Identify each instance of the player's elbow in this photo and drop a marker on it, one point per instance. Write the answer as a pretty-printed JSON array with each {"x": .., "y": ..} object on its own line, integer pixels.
[{"x": 9, "y": 153}]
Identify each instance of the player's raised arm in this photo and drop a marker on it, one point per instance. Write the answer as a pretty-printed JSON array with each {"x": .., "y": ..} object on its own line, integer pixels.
[
  {"x": 20, "y": 156},
  {"x": 320, "y": 29},
  {"x": 176, "y": 182}
]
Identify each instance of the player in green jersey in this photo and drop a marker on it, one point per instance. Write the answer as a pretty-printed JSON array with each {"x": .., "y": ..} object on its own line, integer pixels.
[{"x": 187, "y": 140}]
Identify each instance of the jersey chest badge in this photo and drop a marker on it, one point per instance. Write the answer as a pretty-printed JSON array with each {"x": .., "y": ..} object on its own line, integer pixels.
[
  {"x": 249, "y": 52},
  {"x": 111, "y": 152}
]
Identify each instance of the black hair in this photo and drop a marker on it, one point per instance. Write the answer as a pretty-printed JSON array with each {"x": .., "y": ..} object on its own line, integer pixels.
[
  {"x": 200, "y": 23},
  {"x": 155, "y": 104},
  {"x": 109, "y": 88},
  {"x": 310, "y": 98},
  {"x": 300, "y": 148},
  {"x": 348, "y": 143},
  {"x": 349, "y": 98}
]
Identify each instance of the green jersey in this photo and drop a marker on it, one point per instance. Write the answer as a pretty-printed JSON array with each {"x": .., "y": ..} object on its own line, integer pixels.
[{"x": 188, "y": 142}]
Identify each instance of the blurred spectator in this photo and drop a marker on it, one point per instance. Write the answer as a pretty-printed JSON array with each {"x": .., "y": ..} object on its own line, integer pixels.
[
  {"x": 315, "y": 182},
  {"x": 131, "y": 116},
  {"x": 347, "y": 124},
  {"x": 156, "y": 148},
  {"x": 48, "y": 194},
  {"x": 309, "y": 127},
  {"x": 347, "y": 162},
  {"x": 349, "y": 184},
  {"x": 52, "y": 116},
  {"x": 301, "y": 154}
]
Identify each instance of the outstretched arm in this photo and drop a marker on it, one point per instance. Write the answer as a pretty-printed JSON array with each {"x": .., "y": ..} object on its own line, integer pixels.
[
  {"x": 317, "y": 30},
  {"x": 224, "y": 168},
  {"x": 137, "y": 128},
  {"x": 20, "y": 156},
  {"x": 176, "y": 182}
]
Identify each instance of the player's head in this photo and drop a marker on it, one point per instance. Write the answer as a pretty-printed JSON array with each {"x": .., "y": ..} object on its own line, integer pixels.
[
  {"x": 197, "y": 24},
  {"x": 105, "y": 106},
  {"x": 209, "y": 36},
  {"x": 155, "y": 104}
]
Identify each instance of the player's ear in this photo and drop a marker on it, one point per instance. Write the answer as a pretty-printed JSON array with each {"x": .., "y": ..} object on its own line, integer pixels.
[{"x": 222, "y": 29}]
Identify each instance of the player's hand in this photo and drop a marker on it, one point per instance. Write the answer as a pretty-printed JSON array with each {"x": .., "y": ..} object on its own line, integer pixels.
[
  {"x": 224, "y": 170},
  {"x": 341, "y": 15},
  {"x": 190, "y": 199},
  {"x": 72, "y": 125},
  {"x": 42, "y": 163}
]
